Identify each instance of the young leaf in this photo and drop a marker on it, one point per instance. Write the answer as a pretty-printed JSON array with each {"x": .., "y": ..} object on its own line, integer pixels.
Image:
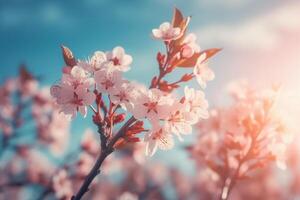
[
  {"x": 192, "y": 61},
  {"x": 177, "y": 18},
  {"x": 189, "y": 62},
  {"x": 210, "y": 52}
]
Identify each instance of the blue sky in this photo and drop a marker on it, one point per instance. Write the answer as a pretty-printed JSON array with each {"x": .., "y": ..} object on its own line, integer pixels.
[
  {"x": 260, "y": 39},
  {"x": 32, "y": 31}
]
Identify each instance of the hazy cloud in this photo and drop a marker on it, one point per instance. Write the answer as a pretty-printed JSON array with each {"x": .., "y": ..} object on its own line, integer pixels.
[{"x": 262, "y": 31}]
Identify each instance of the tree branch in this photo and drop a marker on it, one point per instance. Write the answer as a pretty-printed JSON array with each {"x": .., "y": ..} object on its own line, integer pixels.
[
  {"x": 106, "y": 150},
  {"x": 93, "y": 173}
]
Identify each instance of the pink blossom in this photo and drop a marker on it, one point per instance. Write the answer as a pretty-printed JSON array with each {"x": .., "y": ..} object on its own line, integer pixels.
[
  {"x": 124, "y": 95},
  {"x": 119, "y": 59},
  {"x": 153, "y": 104},
  {"x": 279, "y": 150},
  {"x": 84, "y": 164},
  {"x": 239, "y": 89},
  {"x": 39, "y": 168},
  {"x": 202, "y": 72},
  {"x": 96, "y": 62},
  {"x": 108, "y": 81},
  {"x": 62, "y": 185},
  {"x": 11, "y": 84},
  {"x": 42, "y": 102},
  {"x": 58, "y": 133},
  {"x": 166, "y": 32},
  {"x": 128, "y": 196},
  {"x": 158, "y": 137},
  {"x": 177, "y": 122},
  {"x": 190, "y": 46},
  {"x": 6, "y": 128},
  {"x": 245, "y": 135},
  {"x": 71, "y": 100},
  {"x": 6, "y": 105},
  {"x": 78, "y": 76},
  {"x": 28, "y": 88},
  {"x": 73, "y": 94},
  {"x": 89, "y": 142},
  {"x": 195, "y": 105}
]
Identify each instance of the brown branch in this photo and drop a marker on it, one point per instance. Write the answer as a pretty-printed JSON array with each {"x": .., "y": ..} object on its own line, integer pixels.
[
  {"x": 90, "y": 177},
  {"x": 106, "y": 150}
]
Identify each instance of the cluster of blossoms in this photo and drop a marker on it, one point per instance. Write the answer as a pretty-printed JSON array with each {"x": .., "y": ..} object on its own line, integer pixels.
[
  {"x": 243, "y": 137},
  {"x": 21, "y": 100},
  {"x": 31, "y": 129},
  {"x": 14, "y": 94},
  {"x": 98, "y": 83}
]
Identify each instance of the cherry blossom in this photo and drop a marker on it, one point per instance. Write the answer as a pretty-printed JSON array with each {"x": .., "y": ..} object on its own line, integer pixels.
[
  {"x": 119, "y": 59},
  {"x": 26, "y": 83},
  {"x": 202, "y": 72},
  {"x": 72, "y": 100},
  {"x": 96, "y": 62},
  {"x": 153, "y": 104},
  {"x": 196, "y": 105},
  {"x": 128, "y": 196},
  {"x": 190, "y": 46},
  {"x": 84, "y": 164},
  {"x": 244, "y": 136},
  {"x": 166, "y": 32},
  {"x": 158, "y": 137},
  {"x": 177, "y": 123},
  {"x": 89, "y": 143},
  {"x": 124, "y": 95},
  {"x": 38, "y": 167},
  {"x": 62, "y": 185},
  {"x": 108, "y": 81},
  {"x": 73, "y": 94}
]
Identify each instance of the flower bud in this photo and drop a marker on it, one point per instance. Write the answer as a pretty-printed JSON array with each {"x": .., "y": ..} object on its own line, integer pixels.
[
  {"x": 160, "y": 59},
  {"x": 96, "y": 119},
  {"x": 119, "y": 118},
  {"x": 186, "y": 77},
  {"x": 68, "y": 56}
]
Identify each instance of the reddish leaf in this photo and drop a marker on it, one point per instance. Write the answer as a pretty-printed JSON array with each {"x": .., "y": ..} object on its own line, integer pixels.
[
  {"x": 68, "y": 56},
  {"x": 192, "y": 61},
  {"x": 188, "y": 62},
  {"x": 177, "y": 18},
  {"x": 176, "y": 45},
  {"x": 210, "y": 52}
]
